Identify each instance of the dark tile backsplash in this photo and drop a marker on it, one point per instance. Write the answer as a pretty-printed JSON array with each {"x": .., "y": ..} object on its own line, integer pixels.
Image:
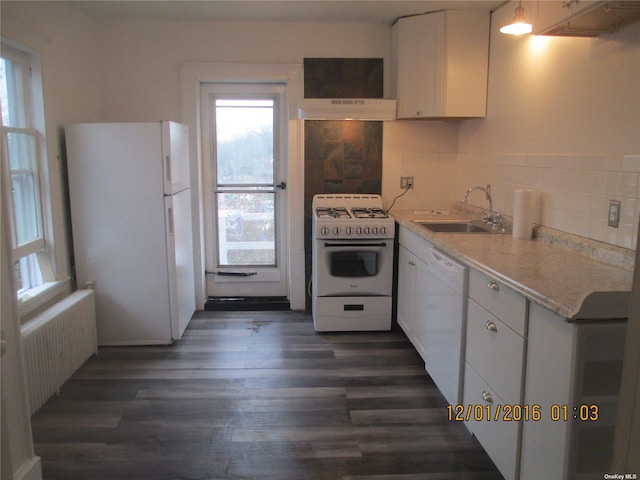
[
  {"x": 342, "y": 157},
  {"x": 343, "y": 78}
]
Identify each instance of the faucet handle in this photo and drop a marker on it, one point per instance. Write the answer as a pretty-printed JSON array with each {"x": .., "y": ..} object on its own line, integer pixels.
[
  {"x": 492, "y": 218},
  {"x": 496, "y": 223}
]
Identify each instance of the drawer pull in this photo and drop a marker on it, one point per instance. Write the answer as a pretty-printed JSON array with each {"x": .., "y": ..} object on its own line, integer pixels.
[
  {"x": 493, "y": 285},
  {"x": 491, "y": 326},
  {"x": 487, "y": 397}
]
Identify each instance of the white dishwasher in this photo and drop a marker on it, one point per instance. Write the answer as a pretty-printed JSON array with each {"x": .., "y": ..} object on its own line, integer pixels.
[{"x": 442, "y": 329}]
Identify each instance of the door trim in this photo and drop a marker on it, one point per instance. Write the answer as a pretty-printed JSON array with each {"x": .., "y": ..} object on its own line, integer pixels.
[{"x": 192, "y": 76}]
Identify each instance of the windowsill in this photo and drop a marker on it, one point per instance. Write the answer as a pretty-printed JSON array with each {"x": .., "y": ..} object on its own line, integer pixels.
[{"x": 36, "y": 298}]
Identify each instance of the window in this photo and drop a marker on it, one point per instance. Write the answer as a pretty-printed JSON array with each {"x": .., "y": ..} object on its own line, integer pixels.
[
  {"x": 245, "y": 195},
  {"x": 22, "y": 169}
]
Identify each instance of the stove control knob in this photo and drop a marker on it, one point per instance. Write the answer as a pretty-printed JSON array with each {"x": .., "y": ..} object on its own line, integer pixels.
[
  {"x": 347, "y": 230},
  {"x": 366, "y": 230},
  {"x": 383, "y": 230},
  {"x": 336, "y": 231},
  {"x": 359, "y": 230},
  {"x": 374, "y": 230},
  {"x": 324, "y": 230}
]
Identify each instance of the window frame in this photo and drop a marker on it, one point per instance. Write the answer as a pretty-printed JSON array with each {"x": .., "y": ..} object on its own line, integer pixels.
[{"x": 35, "y": 255}]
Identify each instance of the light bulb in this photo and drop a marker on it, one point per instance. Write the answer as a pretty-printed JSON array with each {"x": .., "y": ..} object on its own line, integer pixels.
[{"x": 518, "y": 25}]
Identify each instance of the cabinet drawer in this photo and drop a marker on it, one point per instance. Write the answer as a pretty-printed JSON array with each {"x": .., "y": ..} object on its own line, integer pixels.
[
  {"x": 495, "y": 351},
  {"x": 500, "y": 439},
  {"x": 506, "y": 304}
]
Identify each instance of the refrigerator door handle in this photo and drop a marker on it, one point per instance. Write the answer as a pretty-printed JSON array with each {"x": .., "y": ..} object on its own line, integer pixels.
[
  {"x": 170, "y": 220},
  {"x": 167, "y": 161}
]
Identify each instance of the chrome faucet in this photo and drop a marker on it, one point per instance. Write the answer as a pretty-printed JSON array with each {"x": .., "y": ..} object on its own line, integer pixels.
[{"x": 487, "y": 192}]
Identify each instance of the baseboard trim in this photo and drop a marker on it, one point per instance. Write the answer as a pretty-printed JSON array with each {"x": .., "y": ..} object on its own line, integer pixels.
[{"x": 31, "y": 470}]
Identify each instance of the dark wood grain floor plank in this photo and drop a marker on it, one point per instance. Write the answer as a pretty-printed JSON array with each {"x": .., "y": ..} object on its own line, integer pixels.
[{"x": 256, "y": 395}]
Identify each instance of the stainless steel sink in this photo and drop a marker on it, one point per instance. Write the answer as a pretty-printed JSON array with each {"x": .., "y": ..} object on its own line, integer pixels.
[{"x": 456, "y": 226}]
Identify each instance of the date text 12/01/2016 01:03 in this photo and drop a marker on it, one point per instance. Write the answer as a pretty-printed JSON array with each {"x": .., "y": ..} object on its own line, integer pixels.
[{"x": 516, "y": 413}]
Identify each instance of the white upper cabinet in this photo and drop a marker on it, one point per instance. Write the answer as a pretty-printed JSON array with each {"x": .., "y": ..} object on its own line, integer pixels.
[{"x": 441, "y": 61}]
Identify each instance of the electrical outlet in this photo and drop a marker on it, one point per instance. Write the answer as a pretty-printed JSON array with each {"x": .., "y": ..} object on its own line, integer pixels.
[
  {"x": 614, "y": 213},
  {"x": 406, "y": 182}
]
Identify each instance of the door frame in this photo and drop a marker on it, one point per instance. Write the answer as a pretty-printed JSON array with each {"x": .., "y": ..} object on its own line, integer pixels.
[
  {"x": 192, "y": 77},
  {"x": 266, "y": 280}
]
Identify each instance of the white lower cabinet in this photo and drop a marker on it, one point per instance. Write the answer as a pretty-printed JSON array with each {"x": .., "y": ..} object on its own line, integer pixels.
[
  {"x": 494, "y": 370},
  {"x": 573, "y": 374},
  {"x": 540, "y": 393},
  {"x": 431, "y": 310},
  {"x": 406, "y": 312},
  {"x": 496, "y": 352},
  {"x": 423, "y": 312},
  {"x": 491, "y": 423},
  {"x": 412, "y": 271}
]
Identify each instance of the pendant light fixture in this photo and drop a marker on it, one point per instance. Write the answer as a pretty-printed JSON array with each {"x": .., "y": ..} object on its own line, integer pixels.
[{"x": 519, "y": 24}]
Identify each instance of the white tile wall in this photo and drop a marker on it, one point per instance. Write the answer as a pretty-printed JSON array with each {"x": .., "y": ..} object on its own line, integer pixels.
[
  {"x": 428, "y": 151},
  {"x": 576, "y": 189},
  {"x": 434, "y": 179}
]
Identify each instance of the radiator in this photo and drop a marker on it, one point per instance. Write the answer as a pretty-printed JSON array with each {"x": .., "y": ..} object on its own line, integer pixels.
[{"x": 56, "y": 343}]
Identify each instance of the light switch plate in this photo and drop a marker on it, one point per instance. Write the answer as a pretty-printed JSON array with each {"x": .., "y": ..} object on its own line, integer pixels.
[{"x": 613, "y": 219}]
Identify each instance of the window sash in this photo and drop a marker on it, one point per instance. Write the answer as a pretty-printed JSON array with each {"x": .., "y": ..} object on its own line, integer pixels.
[
  {"x": 28, "y": 273},
  {"x": 24, "y": 190},
  {"x": 17, "y": 71}
]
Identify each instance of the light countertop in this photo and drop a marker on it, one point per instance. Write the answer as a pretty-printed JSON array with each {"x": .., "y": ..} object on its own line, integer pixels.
[{"x": 576, "y": 278}]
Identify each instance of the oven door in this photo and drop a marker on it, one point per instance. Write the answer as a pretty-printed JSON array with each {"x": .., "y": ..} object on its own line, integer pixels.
[{"x": 353, "y": 267}]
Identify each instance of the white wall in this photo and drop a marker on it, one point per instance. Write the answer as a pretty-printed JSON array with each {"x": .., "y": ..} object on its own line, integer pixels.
[
  {"x": 142, "y": 59},
  {"x": 563, "y": 117},
  {"x": 428, "y": 150}
]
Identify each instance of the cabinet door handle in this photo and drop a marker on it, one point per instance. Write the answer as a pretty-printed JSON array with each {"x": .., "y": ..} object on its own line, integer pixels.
[
  {"x": 487, "y": 397},
  {"x": 491, "y": 326},
  {"x": 493, "y": 285}
]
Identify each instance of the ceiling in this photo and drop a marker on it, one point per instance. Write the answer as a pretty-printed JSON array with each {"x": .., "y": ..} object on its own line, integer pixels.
[{"x": 321, "y": 11}]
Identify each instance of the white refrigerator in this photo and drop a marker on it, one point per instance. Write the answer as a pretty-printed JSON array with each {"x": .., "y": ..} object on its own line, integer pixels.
[{"x": 130, "y": 200}]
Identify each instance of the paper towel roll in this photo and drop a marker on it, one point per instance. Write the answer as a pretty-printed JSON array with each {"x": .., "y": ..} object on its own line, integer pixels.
[{"x": 525, "y": 213}]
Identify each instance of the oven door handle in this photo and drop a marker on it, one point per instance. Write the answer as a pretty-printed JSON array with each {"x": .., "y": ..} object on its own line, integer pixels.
[{"x": 380, "y": 244}]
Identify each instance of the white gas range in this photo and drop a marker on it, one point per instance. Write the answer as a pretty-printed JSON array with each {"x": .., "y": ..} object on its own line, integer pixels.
[{"x": 352, "y": 263}]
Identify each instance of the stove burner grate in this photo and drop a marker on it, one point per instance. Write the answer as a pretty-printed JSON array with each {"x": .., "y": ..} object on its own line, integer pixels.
[
  {"x": 361, "y": 212},
  {"x": 332, "y": 212}
]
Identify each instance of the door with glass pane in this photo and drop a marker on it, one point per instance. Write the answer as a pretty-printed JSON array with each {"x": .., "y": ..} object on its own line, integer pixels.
[{"x": 244, "y": 148}]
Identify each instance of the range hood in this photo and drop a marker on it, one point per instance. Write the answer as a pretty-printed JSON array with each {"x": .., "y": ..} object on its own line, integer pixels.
[
  {"x": 602, "y": 18},
  {"x": 377, "y": 109}
]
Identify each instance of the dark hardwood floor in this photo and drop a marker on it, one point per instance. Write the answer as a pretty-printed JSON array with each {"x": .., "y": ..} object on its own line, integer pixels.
[{"x": 256, "y": 395}]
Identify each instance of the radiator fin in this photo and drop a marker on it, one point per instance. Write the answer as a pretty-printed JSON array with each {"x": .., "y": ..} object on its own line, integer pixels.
[{"x": 56, "y": 343}]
